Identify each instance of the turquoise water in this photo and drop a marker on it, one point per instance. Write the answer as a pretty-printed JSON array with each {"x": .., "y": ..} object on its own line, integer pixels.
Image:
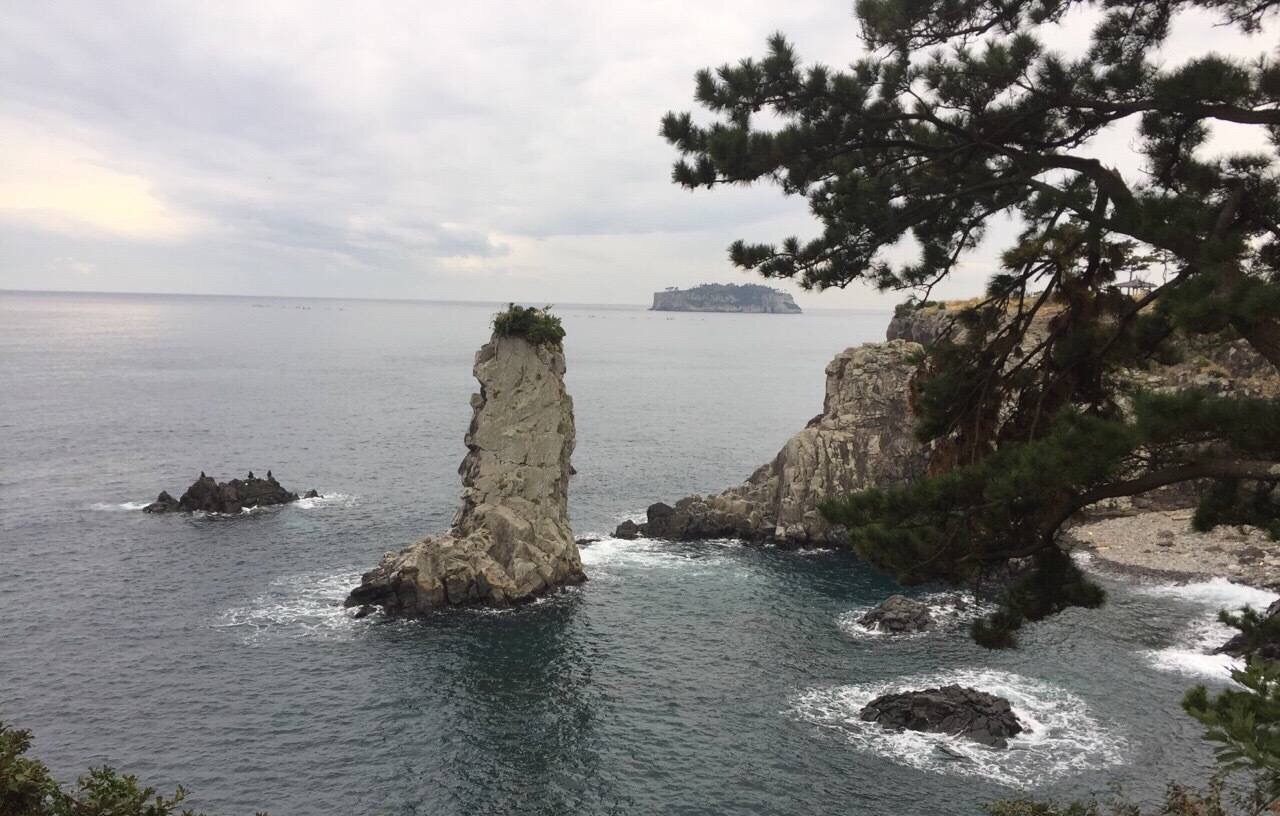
[{"x": 703, "y": 678}]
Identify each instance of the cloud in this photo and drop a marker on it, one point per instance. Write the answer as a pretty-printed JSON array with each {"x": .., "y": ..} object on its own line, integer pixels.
[
  {"x": 66, "y": 187},
  {"x": 392, "y": 149}
]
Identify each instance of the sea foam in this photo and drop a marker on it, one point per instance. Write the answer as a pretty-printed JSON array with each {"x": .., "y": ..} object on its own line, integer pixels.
[
  {"x": 296, "y": 606},
  {"x": 119, "y": 508},
  {"x": 947, "y": 615},
  {"x": 1192, "y": 651}
]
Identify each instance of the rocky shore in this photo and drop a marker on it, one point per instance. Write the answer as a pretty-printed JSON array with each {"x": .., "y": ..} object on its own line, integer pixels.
[{"x": 1161, "y": 544}]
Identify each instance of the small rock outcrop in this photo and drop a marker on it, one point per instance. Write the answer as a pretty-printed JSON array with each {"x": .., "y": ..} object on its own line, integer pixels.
[
  {"x": 208, "y": 495},
  {"x": 863, "y": 438},
  {"x": 899, "y": 615},
  {"x": 963, "y": 712},
  {"x": 726, "y": 297},
  {"x": 510, "y": 540}
]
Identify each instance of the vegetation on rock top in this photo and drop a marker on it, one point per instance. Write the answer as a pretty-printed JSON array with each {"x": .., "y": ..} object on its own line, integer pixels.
[{"x": 538, "y": 326}]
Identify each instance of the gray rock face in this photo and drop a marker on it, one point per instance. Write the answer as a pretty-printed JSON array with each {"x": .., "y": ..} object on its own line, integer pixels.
[
  {"x": 922, "y": 326},
  {"x": 899, "y": 615},
  {"x": 862, "y": 438},
  {"x": 510, "y": 540},
  {"x": 726, "y": 297},
  {"x": 956, "y": 710}
]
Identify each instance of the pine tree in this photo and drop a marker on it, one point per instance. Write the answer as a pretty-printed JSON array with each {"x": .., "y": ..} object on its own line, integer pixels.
[{"x": 960, "y": 114}]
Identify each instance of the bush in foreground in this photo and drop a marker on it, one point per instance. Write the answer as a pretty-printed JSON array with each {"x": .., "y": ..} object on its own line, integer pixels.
[{"x": 27, "y": 788}]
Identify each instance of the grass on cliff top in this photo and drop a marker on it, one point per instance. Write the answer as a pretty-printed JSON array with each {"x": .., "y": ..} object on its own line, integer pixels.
[{"x": 538, "y": 326}]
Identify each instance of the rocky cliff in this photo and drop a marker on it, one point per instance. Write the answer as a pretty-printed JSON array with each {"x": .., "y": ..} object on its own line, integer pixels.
[
  {"x": 862, "y": 438},
  {"x": 726, "y": 297},
  {"x": 510, "y": 540},
  {"x": 864, "y": 435}
]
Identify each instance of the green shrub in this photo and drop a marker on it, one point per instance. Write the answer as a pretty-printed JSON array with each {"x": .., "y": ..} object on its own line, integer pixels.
[
  {"x": 538, "y": 326},
  {"x": 28, "y": 789}
]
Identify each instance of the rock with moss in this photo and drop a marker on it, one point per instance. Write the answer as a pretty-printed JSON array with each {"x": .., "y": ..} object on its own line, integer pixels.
[{"x": 510, "y": 540}]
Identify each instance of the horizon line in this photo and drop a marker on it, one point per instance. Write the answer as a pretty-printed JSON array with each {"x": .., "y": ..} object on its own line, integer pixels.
[{"x": 5, "y": 291}]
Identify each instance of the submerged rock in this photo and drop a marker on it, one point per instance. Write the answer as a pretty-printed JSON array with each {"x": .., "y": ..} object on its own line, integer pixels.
[
  {"x": 963, "y": 712},
  {"x": 899, "y": 615},
  {"x": 510, "y": 540},
  {"x": 863, "y": 438},
  {"x": 208, "y": 495}
]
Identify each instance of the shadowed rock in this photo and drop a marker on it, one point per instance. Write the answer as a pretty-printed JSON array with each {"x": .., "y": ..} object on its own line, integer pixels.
[
  {"x": 1266, "y": 645},
  {"x": 510, "y": 540},
  {"x": 956, "y": 710}
]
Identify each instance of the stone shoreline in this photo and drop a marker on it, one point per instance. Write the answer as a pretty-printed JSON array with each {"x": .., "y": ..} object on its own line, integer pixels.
[{"x": 1160, "y": 544}]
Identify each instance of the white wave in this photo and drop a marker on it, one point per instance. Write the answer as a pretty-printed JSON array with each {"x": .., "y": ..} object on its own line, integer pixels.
[
  {"x": 943, "y": 606},
  {"x": 121, "y": 507},
  {"x": 606, "y": 554},
  {"x": 327, "y": 500},
  {"x": 1191, "y": 653},
  {"x": 294, "y": 606},
  {"x": 1219, "y": 593},
  {"x": 1061, "y": 739}
]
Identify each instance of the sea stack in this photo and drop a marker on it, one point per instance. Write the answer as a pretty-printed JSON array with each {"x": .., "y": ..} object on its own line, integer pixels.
[{"x": 510, "y": 540}]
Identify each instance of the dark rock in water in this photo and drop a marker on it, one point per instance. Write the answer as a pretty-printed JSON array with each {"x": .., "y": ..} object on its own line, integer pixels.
[
  {"x": 211, "y": 496},
  {"x": 662, "y": 521},
  {"x": 964, "y": 712},
  {"x": 312, "y": 494},
  {"x": 628, "y": 530},
  {"x": 164, "y": 503},
  {"x": 1268, "y": 649},
  {"x": 899, "y": 615},
  {"x": 364, "y": 612},
  {"x": 582, "y": 542}
]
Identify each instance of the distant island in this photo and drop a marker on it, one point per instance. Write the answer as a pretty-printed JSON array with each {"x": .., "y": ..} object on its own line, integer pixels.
[{"x": 725, "y": 297}]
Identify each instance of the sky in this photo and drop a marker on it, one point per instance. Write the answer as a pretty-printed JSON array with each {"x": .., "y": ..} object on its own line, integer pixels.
[{"x": 449, "y": 151}]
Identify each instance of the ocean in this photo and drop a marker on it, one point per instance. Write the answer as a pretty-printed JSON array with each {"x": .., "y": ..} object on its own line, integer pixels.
[{"x": 682, "y": 678}]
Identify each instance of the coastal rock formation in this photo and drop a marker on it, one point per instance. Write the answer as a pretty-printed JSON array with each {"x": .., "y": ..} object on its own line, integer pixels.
[
  {"x": 510, "y": 540},
  {"x": 963, "y": 712},
  {"x": 726, "y": 297},
  {"x": 899, "y": 615},
  {"x": 209, "y": 495},
  {"x": 921, "y": 326},
  {"x": 862, "y": 438}
]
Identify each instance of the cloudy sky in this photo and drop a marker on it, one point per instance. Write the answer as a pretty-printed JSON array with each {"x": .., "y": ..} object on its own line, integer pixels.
[{"x": 479, "y": 150}]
